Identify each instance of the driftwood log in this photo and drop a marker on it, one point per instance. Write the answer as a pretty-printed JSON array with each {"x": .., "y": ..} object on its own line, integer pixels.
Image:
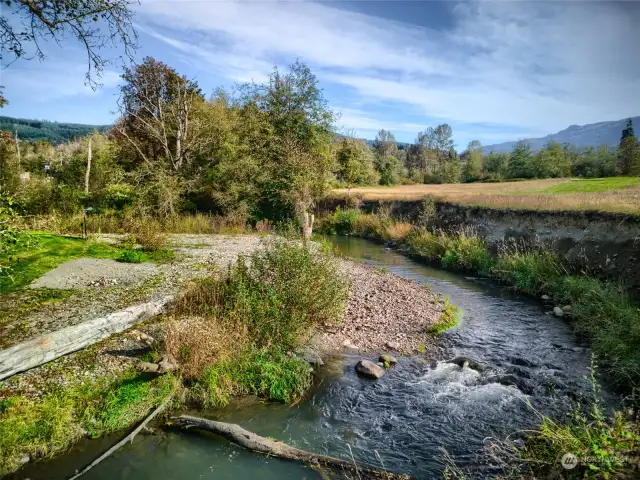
[
  {"x": 274, "y": 448},
  {"x": 45, "y": 348}
]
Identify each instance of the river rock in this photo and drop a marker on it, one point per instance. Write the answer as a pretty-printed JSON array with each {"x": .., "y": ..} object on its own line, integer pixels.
[
  {"x": 310, "y": 356},
  {"x": 545, "y": 297},
  {"x": 394, "y": 346},
  {"x": 386, "y": 358},
  {"x": 368, "y": 369},
  {"x": 557, "y": 311},
  {"x": 567, "y": 309},
  {"x": 470, "y": 362}
]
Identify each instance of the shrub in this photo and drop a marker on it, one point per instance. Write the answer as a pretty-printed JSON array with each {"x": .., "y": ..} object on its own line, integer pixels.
[
  {"x": 148, "y": 234},
  {"x": 242, "y": 325},
  {"x": 131, "y": 256}
]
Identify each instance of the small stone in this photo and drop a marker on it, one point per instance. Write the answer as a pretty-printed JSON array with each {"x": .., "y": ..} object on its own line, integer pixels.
[
  {"x": 395, "y": 346},
  {"x": 545, "y": 297},
  {"x": 567, "y": 309},
  {"x": 380, "y": 364},
  {"x": 368, "y": 369},
  {"x": 386, "y": 358},
  {"x": 25, "y": 459},
  {"x": 557, "y": 311}
]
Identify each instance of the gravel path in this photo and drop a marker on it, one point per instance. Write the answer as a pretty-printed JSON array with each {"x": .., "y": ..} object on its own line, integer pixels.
[
  {"x": 95, "y": 294},
  {"x": 88, "y": 272}
]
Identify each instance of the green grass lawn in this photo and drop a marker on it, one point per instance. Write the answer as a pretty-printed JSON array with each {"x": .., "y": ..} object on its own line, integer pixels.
[
  {"x": 592, "y": 185},
  {"x": 51, "y": 251}
]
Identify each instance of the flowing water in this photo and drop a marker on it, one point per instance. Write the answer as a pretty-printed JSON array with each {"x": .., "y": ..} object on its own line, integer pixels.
[{"x": 399, "y": 422}]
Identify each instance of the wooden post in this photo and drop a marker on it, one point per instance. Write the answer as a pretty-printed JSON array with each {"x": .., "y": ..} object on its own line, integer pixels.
[
  {"x": 307, "y": 226},
  {"x": 17, "y": 149}
]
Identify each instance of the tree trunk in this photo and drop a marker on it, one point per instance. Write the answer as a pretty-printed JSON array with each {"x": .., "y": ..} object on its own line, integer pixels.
[
  {"x": 88, "y": 172},
  {"x": 274, "y": 448},
  {"x": 45, "y": 348}
]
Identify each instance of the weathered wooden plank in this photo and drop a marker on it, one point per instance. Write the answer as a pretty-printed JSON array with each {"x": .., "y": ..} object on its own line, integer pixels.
[{"x": 45, "y": 348}]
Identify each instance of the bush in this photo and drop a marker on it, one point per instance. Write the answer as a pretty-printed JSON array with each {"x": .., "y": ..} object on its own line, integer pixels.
[
  {"x": 131, "y": 256},
  {"x": 241, "y": 326}
]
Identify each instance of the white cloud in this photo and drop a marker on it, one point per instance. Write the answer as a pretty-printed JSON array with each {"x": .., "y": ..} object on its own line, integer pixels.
[
  {"x": 55, "y": 80},
  {"x": 535, "y": 65}
]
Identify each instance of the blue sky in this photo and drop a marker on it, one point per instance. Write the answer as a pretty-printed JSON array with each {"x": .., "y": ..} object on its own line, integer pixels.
[{"x": 494, "y": 70}]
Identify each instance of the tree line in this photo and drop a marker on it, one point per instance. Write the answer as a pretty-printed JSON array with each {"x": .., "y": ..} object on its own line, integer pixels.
[{"x": 259, "y": 150}]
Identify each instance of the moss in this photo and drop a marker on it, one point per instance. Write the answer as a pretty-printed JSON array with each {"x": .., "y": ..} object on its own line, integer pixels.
[{"x": 449, "y": 318}]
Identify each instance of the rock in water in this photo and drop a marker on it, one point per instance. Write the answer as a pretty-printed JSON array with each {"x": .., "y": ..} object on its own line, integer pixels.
[
  {"x": 386, "y": 358},
  {"x": 368, "y": 369},
  {"x": 545, "y": 297},
  {"x": 310, "y": 356},
  {"x": 557, "y": 311}
]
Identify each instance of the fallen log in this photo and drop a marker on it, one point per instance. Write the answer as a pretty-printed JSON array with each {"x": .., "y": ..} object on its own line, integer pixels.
[
  {"x": 45, "y": 348},
  {"x": 256, "y": 443}
]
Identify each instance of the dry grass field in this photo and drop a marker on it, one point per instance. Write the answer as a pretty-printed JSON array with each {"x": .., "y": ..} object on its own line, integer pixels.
[{"x": 616, "y": 194}]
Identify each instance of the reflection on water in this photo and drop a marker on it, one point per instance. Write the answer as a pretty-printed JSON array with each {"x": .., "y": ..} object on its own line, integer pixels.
[{"x": 406, "y": 416}]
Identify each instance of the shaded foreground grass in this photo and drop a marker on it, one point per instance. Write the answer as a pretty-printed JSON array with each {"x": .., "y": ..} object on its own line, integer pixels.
[
  {"x": 614, "y": 194},
  {"x": 602, "y": 312},
  {"x": 25, "y": 265},
  {"x": 49, "y": 425},
  {"x": 232, "y": 333}
]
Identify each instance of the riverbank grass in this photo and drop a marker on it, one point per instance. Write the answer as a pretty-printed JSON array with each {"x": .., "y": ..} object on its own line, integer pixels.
[
  {"x": 49, "y": 425},
  {"x": 449, "y": 318}
]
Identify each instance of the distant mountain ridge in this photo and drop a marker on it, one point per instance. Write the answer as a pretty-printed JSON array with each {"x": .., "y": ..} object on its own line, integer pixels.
[
  {"x": 54, "y": 132},
  {"x": 591, "y": 135}
]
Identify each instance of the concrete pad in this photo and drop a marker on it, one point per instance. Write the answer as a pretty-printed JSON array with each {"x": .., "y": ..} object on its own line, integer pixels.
[{"x": 94, "y": 272}]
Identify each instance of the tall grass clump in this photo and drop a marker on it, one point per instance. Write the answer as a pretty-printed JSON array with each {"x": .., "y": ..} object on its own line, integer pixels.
[
  {"x": 529, "y": 271},
  {"x": 605, "y": 445},
  {"x": 268, "y": 304}
]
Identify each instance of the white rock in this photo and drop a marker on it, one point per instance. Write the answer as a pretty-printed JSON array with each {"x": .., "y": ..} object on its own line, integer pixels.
[
  {"x": 368, "y": 369},
  {"x": 545, "y": 297},
  {"x": 557, "y": 311},
  {"x": 567, "y": 309}
]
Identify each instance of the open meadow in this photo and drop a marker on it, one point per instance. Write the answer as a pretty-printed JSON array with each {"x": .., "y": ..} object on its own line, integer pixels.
[{"x": 615, "y": 194}]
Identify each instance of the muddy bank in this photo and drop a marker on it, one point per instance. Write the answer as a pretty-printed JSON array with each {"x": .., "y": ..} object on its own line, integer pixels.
[{"x": 605, "y": 244}]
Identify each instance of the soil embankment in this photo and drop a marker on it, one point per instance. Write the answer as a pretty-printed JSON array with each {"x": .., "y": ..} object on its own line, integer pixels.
[{"x": 605, "y": 244}]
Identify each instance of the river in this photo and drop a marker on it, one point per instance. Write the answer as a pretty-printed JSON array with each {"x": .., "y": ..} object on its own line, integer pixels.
[{"x": 400, "y": 422}]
